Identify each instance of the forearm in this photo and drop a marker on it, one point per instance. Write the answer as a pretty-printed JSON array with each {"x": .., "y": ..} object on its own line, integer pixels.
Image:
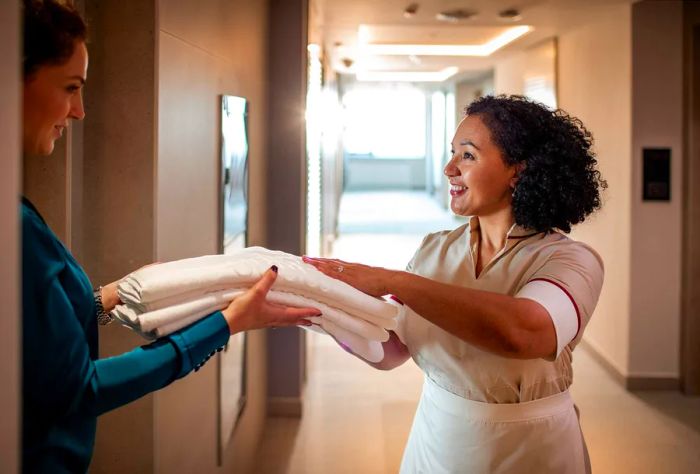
[
  {"x": 500, "y": 324},
  {"x": 119, "y": 380}
]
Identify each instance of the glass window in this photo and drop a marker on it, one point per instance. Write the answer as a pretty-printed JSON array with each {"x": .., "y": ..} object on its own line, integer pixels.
[{"x": 382, "y": 122}]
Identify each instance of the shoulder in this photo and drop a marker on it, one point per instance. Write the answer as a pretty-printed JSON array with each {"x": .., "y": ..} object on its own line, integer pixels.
[
  {"x": 557, "y": 249},
  {"x": 438, "y": 241}
]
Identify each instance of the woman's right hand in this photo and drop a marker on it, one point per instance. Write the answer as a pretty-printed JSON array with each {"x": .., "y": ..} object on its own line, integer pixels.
[{"x": 252, "y": 311}]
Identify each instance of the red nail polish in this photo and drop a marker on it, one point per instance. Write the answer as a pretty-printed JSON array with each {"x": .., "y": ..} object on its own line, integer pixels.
[
  {"x": 274, "y": 268},
  {"x": 393, "y": 297}
]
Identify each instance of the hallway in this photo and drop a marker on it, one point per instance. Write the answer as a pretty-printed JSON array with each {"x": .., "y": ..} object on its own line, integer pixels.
[{"x": 356, "y": 419}]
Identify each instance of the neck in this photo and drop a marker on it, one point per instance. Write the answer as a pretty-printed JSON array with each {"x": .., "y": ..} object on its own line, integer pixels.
[{"x": 494, "y": 228}]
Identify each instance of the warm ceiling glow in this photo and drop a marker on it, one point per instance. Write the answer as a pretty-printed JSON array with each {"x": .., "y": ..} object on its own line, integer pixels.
[
  {"x": 486, "y": 49},
  {"x": 407, "y": 76}
]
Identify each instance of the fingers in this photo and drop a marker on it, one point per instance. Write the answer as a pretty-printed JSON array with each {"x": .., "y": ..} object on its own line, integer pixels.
[
  {"x": 326, "y": 265},
  {"x": 266, "y": 281}
]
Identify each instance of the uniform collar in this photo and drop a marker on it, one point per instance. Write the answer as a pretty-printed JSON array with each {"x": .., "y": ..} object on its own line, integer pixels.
[{"x": 516, "y": 234}]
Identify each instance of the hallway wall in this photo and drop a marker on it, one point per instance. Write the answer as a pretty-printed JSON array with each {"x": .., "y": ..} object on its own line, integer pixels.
[
  {"x": 594, "y": 85},
  {"x": 151, "y": 174},
  {"x": 206, "y": 49},
  {"x": 657, "y": 122}
]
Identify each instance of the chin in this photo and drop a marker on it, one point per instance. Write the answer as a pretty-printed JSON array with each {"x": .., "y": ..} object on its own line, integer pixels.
[{"x": 45, "y": 149}]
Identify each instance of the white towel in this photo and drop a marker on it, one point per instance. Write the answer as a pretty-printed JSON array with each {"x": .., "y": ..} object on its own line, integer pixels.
[
  {"x": 169, "y": 283},
  {"x": 166, "y": 320}
]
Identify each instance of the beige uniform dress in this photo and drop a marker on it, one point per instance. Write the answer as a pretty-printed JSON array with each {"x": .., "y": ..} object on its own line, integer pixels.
[{"x": 483, "y": 413}]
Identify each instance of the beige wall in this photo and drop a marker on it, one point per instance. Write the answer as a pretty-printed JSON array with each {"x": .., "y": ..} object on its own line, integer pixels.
[
  {"x": 206, "y": 49},
  {"x": 118, "y": 213},
  {"x": 594, "y": 79},
  {"x": 657, "y": 121},
  {"x": 518, "y": 73},
  {"x": 10, "y": 90}
]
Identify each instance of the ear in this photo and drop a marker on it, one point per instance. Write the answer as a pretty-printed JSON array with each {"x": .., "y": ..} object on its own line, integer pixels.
[{"x": 517, "y": 169}]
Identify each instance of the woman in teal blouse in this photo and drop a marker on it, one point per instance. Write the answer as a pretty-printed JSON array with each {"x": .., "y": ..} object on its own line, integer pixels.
[{"x": 65, "y": 385}]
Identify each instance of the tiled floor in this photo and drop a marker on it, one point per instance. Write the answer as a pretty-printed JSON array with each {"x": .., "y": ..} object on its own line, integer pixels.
[{"x": 356, "y": 419}]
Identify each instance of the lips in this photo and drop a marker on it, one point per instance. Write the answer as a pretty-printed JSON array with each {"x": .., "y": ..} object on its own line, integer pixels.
[{"x": 457, "y": 190}]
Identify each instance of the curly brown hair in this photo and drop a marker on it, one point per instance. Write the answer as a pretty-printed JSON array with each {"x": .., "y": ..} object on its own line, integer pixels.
[
  {"x": 559, "y": 185},
  {"x": 51, "y": 30}
]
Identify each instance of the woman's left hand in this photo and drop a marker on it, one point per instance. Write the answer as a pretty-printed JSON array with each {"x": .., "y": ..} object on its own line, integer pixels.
[
  {"x": 110, "y": 296},
  {"x": 374, "y": 281}
]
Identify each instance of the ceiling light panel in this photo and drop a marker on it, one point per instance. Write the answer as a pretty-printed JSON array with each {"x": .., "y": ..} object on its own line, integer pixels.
[{"x": 369, "y": 46}]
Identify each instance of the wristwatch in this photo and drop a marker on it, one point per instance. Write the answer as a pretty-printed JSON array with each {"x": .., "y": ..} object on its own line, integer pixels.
[{"x": 103, "y": 318}]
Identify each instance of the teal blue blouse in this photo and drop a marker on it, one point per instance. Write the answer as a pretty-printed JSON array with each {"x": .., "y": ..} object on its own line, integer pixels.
[{"x": 65, "y": 385}]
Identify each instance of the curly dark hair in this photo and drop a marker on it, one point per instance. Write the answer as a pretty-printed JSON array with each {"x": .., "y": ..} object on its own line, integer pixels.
[
  {"x": 559, "y": 185},
  {"x": 51, "y": 30}
]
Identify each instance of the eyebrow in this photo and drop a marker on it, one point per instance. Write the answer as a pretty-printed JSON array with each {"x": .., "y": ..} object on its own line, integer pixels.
[
  {"x": 78, "y": 78},
  {"x": 469, "y": 142}
]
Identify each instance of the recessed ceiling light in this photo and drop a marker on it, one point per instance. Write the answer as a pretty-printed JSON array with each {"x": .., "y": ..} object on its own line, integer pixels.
[
  {"x": 510, "y": 14},
  {"x": 454, "y": 16},
  {"x": 411, "y": 10}
]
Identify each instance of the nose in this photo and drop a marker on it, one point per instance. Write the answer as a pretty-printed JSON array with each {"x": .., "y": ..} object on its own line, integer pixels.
[
  {"x": 450, "y": 168},
  {"x": 77, "y": 112}
]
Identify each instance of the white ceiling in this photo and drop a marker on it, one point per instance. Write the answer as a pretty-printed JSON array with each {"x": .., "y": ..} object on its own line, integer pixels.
[{"x": 336, "y": 23}]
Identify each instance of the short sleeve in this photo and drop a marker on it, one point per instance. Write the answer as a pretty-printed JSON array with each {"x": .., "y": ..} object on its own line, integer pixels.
[{"x": 568, "y": 286}]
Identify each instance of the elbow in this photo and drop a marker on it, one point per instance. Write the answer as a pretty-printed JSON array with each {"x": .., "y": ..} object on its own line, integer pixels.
[{"x": 521, "y": 344}]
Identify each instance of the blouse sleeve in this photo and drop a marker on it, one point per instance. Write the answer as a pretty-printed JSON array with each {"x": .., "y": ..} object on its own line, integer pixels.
[
  {"x": 567, "y": 285},
  {"x": 64, "y": 378}
]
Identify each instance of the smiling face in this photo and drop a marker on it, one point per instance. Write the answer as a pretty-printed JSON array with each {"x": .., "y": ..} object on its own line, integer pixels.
[
  {"x": 481, "y": 184},
  {"x": 52, "y": 96}
]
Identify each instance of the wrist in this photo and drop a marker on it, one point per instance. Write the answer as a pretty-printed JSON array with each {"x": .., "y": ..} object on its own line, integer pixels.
[
  {"x": 110, "y": 297},
  {"x": 230, "y": 321}
]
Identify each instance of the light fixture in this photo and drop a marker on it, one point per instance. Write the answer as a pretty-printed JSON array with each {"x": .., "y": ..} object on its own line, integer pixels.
[
  {"x": 453, "y": 16},
  {"x": 408, "y": 76},
  {"x": 410, "y": 11},
  {"x": 510, "y": 14},
  {"x": 485, "y": 49}
]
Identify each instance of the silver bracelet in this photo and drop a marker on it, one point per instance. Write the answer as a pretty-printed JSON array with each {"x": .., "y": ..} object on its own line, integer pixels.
[{"x": 103, "y": 318}]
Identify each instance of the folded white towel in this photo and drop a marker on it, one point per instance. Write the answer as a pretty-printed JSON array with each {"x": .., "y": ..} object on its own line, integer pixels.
[
  {"x": 161, "y": 299},
  {"x": 164, "y": 321},
  {"x": 165, "y": 284}
]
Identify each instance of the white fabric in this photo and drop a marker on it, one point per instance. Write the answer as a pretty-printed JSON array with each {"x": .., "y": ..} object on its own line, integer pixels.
[
  {"x": 153, "y": 323},
  {"x": 559, "y": 306},
  {"x": 164, "y": 298},
  {"x": 144, "y": 288},
  {"x": 451, "y": 434}
]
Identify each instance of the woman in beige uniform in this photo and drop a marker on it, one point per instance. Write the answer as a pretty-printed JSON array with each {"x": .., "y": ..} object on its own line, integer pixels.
[{"x": 496, "y": 306}]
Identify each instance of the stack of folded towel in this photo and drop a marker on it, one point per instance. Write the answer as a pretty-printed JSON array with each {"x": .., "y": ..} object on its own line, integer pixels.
[{"x": 160, "y": 299}]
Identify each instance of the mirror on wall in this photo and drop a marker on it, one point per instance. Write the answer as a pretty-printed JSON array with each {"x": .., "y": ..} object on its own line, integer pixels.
[{"x": 233, "y": 236}]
